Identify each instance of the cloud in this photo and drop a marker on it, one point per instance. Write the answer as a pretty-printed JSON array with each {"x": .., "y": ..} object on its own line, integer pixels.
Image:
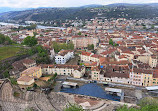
[{"x": 64, "y": 3}]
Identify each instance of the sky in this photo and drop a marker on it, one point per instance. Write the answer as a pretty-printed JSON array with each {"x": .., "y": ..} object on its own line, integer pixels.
[{"x": 63, "y": 3}]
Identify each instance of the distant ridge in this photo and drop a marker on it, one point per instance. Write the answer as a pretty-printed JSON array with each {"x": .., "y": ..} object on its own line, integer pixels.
[{"x": 84, "y": 12}]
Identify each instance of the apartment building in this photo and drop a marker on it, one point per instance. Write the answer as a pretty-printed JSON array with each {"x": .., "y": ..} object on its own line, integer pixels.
[
  {"x": 95, "y": 73},
  {"x": 89, "y": 57},
  {"x": 63, "y": 56},
  {"x": 75, "y": 71},
  {"x": 153, "y": 61},
  {"x": 82, "y": 42},
  {"x": 141, "y": 77}
]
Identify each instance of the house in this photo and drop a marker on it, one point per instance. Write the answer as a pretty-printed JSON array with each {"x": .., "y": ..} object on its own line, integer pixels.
[
  {"x": 155, "y": 78},
  {"x": 115, "y": 77},
  {"x": 95, "y": 73},
  {"x": 75, "y": 71},
  {"x": 63, "y": 56},
  {"x": 89, "y": 57},
  {"x": 129, "y": 54},
  {"x": 85, "y": 56},
  {"x": 141, "y": 77},
  {"x": 29, "y": 63},
  {"x": 32, "y": 72},
  {"x": 116, "y": 74},
  {"x": 153, "y": 61},
  {"x": 25, "y": 80},
  {"x": 21, "y": 65},
  {"x": 109, "y": 52}
]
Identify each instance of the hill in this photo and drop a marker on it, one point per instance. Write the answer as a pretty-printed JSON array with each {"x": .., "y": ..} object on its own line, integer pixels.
[{"x": 85, "y": 12}]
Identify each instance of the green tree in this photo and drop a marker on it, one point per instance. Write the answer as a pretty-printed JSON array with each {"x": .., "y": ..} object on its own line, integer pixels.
[
  {"x": 13, "y": 81},
  {"x": 29, "y": 109},
  {"x": 115, "y": 45},
  {"x": 5, "y": 40},
  {"x": 59, "y": 46},
  {"x": 73, "y": 107},
  {"x": 90, "y": 47},
  {"x": 70, "y": 46},
  {"x": 79, "y": 33},
  {"x": 35, "y": 33},
  {"x": 111, "y": 42},
  {"x": 6, "y": 74},
  {"x": 152, "y": 26},
  {"x": 146, "y": 104},
  {"x": 31, "y": 27},
  {"x": 144, "y": 27},
  {"x": 42, "y": 55},
  {"x": 35, "y": 85},
  {"x": 30, "y": 41}
]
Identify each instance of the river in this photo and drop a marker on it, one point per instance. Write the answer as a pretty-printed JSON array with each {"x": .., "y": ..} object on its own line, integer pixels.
[
  {"x": 38, "y": 26},
  {"x": 91, "y": 89}
]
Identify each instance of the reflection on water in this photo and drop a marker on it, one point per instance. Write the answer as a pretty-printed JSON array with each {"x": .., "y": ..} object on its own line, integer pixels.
[{"x": 91, "y": 89}]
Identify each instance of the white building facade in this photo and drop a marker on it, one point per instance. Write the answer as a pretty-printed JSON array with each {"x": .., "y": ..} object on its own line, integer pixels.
[{"x": 63, "y": 56}]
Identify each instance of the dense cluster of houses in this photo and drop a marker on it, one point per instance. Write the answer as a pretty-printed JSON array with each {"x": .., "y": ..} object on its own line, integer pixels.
[{"x": 132, "y": 58}]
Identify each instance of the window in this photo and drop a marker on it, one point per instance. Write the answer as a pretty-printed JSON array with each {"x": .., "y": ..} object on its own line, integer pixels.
[{"x": 153, "y": 82}]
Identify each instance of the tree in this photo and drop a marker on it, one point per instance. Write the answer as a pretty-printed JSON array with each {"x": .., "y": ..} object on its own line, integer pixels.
[
  {"x": 90, "y": 47},
  {"x": 5, "y": 40},
  {"x": 144, "y": 27},
  {"x": 152, "y": 27},
  {"x": 31, "y": 27},
  {"x": 115, "y": 45},
  {"x": 35, "y": 85},
  {"x": 35, "y": 33},
  {"x": 42, "y": 55},
  {"x": 79, "y": 33},
  {"x": 30, "y": 41},
  {"x": 146, "y": 104},
  {"x": 111, "y": 42},
  {"x": 13, "y": 81},
  {"x": 6, "y": 74},
  {"x": 73, "y": 107},
  {"x": 59, "y": 46}
]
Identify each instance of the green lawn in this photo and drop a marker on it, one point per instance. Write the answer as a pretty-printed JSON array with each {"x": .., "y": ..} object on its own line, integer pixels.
[{"x": 6, "y": 52}]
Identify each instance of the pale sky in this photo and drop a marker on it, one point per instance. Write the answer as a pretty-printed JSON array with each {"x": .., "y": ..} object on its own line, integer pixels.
[{"x": 64, "y": 3}]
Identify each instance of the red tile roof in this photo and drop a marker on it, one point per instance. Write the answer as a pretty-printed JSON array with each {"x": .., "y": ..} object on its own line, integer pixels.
[{"x": 86, "y": 53}]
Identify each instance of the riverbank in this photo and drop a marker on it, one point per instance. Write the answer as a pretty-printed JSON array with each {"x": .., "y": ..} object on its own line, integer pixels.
[{"x": 131, "y": 94}]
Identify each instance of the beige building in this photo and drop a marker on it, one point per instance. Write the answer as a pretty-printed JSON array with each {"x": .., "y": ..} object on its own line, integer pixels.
[
  {"x": 129, "y": 54},
  {"x": 144, "y": 59},
  {"x": 153, "y": 61},
  {"x": 29, "y": 63},
  {"x": 25, "y": 80},
  {"x": 122, "y": 78},
  {"x": 82, "y": 42},
  {"x": 95, "y": 73},
  {"x": 141, "y": 77},
  {"x": 32, "y": 72},
  {"x": 89, "y": 57},
  {"x": 85, "y": 56},
  {"x": 75, "y": 71}
]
